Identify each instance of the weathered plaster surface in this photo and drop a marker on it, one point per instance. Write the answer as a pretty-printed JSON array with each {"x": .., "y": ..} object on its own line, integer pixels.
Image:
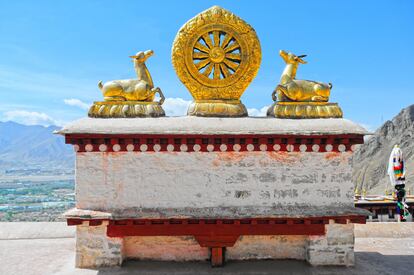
[
  {"x": 123, "y": 180},
  {"x": 211, "y": 125}
]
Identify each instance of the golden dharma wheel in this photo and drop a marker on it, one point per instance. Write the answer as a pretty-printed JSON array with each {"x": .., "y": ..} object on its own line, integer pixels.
[
  {"x": 216, "y": 58},
  {"x": 216, "y": 55}
]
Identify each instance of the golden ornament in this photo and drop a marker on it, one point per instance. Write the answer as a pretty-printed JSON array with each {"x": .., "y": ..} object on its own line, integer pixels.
[{"x": 216, "y": 55}]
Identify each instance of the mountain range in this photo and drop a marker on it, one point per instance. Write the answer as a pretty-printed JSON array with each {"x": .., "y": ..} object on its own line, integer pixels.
[
  {"x": 370, "y": 161},
  {"x": 27, "y": 147}
]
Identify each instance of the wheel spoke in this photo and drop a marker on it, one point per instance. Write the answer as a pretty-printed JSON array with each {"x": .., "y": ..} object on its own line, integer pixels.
[
  {"x": 233, "y": 56},
  {"x": 208, "y": 70},
  {"x": 216, "y": 36},
  {"x": 230, "y": 64},
  {"x": 232, "y": 47},
  {"x": 226, "y": 40},
  {"x": 224, "y": 70},
  {"x": 199, "y": 55},
  {"x": 208, "y": 41},
  {"x": 201, "y": 47},
  {"x": 216, "y": 74},
  {"x": 202, "y": 63}
]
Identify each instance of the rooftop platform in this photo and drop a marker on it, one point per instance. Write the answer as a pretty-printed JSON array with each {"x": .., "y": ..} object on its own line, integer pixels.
[
  {"x": 213, "y": 126},
  {"x": 49, "y": 248}
]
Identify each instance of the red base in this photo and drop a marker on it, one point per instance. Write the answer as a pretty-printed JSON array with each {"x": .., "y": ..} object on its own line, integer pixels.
[{"x": 218, "y": 233}]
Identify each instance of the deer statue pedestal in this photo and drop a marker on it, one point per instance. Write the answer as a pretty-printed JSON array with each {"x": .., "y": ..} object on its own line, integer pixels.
[
  {"x": 296, "y": 110},
  {"x": 119, "y": 109}
]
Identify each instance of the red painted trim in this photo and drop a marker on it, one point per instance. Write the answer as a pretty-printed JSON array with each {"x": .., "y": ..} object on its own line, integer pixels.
[
  {"x": 217, "y": 256},
  {"x": 95, "y": 140},
  {"x": 207, "y": 233},
  {"x": 218, "y": 232}
]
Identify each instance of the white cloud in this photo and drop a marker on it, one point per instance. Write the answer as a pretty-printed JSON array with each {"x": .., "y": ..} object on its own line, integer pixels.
[
  {"x": 257, "y": 112},
  {"x": 30, "y": 118},
  {"x": 176, "y": 106},
  {"x": 77, "y": 103}
]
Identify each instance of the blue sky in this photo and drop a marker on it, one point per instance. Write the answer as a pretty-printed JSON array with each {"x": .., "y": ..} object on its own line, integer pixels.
[{"x": 53, "y": 53}]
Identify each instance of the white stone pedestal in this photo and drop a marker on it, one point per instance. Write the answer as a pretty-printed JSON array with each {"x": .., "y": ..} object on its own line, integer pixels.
[{"x": 272, "y": 188}]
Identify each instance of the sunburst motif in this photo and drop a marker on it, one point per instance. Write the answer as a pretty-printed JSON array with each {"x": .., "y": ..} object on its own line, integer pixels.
[{"x": 216, "y": 55}]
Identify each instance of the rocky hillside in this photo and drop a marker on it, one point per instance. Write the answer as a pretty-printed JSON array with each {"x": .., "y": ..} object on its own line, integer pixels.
[
  {"x": 23, "y": 146},
  {"x": 371, "y": 160}
]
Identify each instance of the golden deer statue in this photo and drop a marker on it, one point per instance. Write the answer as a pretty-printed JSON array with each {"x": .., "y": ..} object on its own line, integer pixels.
[
  {"x": 301, "y": 98},
  {"x": 291, "y": 89},
  {"x": 141, "y": 89},
  {"x": 130, "y": 97}
]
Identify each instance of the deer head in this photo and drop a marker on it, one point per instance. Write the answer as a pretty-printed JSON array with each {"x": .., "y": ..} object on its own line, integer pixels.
[
  {"x": 141, "y": 56},
  {"x": 290, "y": 58}
]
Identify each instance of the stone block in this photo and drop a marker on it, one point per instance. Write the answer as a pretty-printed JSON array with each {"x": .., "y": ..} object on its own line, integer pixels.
[
  {"x": 95, "y": 249},
  {"x": 334, "y": 248}
]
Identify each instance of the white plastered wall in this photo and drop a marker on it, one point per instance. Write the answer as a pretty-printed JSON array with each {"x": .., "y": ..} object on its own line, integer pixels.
[{"x": 122, "y": 180}]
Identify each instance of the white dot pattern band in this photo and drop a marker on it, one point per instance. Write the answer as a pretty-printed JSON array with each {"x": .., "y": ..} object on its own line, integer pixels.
[
  {"x": 341, "y": 148},
  {"x": 303, "y": 148},
  {"x": 196, "y": 147},
  {"x": 116, "y": 147},
  {"x": 183, "y": 148},
  {"x": 103, "y": 147},
  {"x": 143, "y": 147},
  {"x": 328, "y": 147},
  {"x": 157, "y": 147},
  {"x": 130, "y": 147},
  {"x": 88, "y": 147},
  {"x": 315, "y": 148},
  {"x": 170, "y": 148},
  {"x": 250, "y": 147},
  {"x": 236, "y": 147},
  {"x": 226, "y": 144}
]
